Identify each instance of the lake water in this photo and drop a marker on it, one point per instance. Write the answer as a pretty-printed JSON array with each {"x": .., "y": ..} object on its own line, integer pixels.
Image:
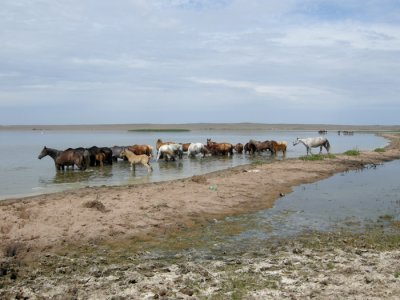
[{"x": 23, "y": 174}]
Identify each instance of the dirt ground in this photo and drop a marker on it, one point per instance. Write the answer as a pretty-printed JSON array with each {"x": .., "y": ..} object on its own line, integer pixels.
[{"x": 34, "y": 230}]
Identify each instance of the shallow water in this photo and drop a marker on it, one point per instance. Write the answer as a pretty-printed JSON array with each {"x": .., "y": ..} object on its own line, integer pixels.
[
  {"x": 23, "y": 174},
  {"x": 353, "y": 201}
]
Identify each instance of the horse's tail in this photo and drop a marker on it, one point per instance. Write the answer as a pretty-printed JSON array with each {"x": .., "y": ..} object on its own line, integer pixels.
[{"x": 327, "y": 145}]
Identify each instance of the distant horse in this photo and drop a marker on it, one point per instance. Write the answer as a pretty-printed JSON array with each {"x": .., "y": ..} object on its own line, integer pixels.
[
  {"x": 239, "y": 148},
  {"x": 134, "y": 159},
  {"x": 314, "y": 143},
  {"x": 53, "y": 153},
  {"x": 141, "y": 149},
  {"x": 70, "y": 157},
  {"x": 219, "y": 148},
  {"x": 196, "y": 148},
  {"x": 170, "y": 151}
]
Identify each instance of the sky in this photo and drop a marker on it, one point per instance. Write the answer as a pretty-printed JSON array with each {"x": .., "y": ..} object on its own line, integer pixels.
[{"x": 200, "y": 61}]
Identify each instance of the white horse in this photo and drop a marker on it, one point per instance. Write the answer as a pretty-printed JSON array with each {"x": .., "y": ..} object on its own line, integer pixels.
[
  {"x": 170, "y": 151},
  {"x": 196, "y": 148},
  {"x": 314, "y": 143}
]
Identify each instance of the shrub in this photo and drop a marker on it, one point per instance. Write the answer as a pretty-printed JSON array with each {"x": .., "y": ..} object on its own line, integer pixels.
[{"x": 353, "y": 152}]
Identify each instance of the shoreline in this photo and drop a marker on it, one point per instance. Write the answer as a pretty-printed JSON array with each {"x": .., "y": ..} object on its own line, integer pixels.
[
  {"x": 202, "y": 127},
  {"x": 115, "y": 243},
  {"x": 95, "y": 214}
]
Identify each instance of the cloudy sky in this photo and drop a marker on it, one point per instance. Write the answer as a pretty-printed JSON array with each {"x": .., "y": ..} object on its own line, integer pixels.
[{"x": 189, "y": 61}]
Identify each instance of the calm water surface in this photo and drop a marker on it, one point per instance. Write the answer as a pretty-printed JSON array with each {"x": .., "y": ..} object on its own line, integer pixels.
[{"x": 22, "y": 173}]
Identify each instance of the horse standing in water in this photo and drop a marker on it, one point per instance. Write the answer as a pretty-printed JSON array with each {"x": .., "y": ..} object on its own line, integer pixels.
[
  {"x": 314, "y": 143},
  {"x": 53, "y": 153},
  {"x": 134, "y": 159}
]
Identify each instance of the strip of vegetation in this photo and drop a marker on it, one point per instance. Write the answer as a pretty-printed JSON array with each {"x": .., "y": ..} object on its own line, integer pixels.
[
  {"x": 379, "y": 150},
  {"x": 353, "y": 152},
  {"x": 159, "y": 130},
  {"x": 317, "y": 157}
]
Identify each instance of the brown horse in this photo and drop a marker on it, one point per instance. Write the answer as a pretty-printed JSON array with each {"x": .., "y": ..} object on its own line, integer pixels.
[
  {"x": 185, "y": 147},
  {"x": 239, "y": 148},
  {"x": 219, "y": 148},
  {"x": 100, "y": 158},
  {"x": 279, "y": 146},
  {"x": 141, "y": 149},
  {"x": 134, "y": 159},
  {"x": 260, "y": 146},
  {"x": 70, "y": 157}
]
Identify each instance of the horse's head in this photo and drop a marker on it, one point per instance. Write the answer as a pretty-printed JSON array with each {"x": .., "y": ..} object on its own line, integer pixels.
[
  {"x": 296, "y": 141},
  {"x": 43, "y": 153}
]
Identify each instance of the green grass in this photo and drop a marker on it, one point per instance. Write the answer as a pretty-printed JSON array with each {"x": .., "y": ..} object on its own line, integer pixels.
[
  {"x": 314, "y": 157},
  {"x": 353, "y": 152},
  {"x": 159, "y": 130},
  {"x": 379, "y": 150}
]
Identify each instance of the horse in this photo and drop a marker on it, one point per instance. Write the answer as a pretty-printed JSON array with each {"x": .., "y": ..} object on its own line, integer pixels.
[
  {"x": 70, "y": 157},
  {"x": 219, "y": 148},
  {"x": 279, "y": 146},
  {"x": 246, "y": 148},
  {"x": 170, "y": 151},
  {"x": 314, "y": 142},
  {"x": 185, "y": 147},
  {"x": 159, "y": 143},
  {"x": 116, "y": 152},
  {"x": 260, "y": 146},
  {"x": 196, "y": 148},
  {"x": 239, "y": 148},
  {"x": 53, "y": 153},
  {"x": 141, "y": 149},
  {"x": 137, "y": 159},
  {"x": 94, "y": 150}
]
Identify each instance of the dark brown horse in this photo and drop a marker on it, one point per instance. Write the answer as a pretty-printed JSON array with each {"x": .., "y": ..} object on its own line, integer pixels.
[
  {"x": 70, "y": 157},
  {"x": 257, "y": 146},
  {"x": 219, "y": 148},
  {"x": 94, "y": 150},
  {"x": 239, "y": 148}
]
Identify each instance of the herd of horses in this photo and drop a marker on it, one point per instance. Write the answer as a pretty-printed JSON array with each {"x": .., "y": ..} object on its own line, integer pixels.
[{"x": 169, "y": 151}]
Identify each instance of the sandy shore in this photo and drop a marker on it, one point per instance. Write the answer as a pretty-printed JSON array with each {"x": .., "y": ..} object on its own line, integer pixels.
[{"x": 41, "y": 224}]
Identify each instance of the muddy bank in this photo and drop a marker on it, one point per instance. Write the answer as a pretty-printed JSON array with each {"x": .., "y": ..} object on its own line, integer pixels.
[{"x": 96, "y": 243}]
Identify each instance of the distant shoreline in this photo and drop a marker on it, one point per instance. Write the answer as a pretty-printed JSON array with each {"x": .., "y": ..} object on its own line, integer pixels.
[{"x": 199, "y": 127}]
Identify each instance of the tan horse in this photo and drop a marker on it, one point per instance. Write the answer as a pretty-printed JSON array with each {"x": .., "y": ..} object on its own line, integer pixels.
[{"x": 134, "y": 159}]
